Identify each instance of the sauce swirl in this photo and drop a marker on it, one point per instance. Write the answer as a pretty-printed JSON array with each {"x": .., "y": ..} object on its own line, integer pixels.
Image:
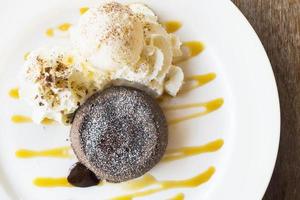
[
  {"x": 50, "y": 32},
  {"x": 179, "y": 196},
  {"x": 209, "y": 107},
  {"x": 14, "y": 93},
  {"x": 51, "y": 182},
  {"x": 167, "y": 185},
  {"x": 83, "y": 10},
  {"x": 172, "y": 26},
  {"x": 61, "y": 152},
  {"x": 184, "y": 152},
  {"x": 64, "y": 27}
]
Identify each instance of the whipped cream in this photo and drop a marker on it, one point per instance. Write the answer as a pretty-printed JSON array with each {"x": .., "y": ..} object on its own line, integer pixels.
[
  {"x": 54, "y": 83},
  {"x": 112, "y": 43}
]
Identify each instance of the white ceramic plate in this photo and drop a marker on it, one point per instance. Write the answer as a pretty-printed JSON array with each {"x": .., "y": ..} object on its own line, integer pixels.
[{"x": 248, "y": 122}]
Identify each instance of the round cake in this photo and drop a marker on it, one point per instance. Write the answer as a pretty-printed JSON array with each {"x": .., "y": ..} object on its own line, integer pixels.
[{"x": 119, "y": 133}]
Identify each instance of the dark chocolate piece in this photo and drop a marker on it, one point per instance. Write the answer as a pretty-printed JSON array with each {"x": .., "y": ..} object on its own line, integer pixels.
[{"x": 81, "y": 176}]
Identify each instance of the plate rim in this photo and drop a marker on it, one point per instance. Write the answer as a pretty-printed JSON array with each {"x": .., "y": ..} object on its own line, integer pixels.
[{"x": 268, "y": 176}]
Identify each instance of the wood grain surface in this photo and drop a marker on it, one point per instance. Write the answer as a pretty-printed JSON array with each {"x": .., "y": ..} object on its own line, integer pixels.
[{"x": 277, "y": 22}]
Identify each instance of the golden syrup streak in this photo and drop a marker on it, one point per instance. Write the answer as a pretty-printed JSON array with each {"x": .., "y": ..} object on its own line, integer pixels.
[
  {"x": 179, "y": 196},
  {"x": 64, "y": 27},
  {"x": 194, "y": 47},
  {"x": 167, "y": 185},
  {"x": 209, "y": 107},
  {"x": 50, "y": 32},
  {"x": 189, "y": 49},
  {"x": 83, "y": 10},
  {"x": 51, "y": 182},
  {"x": 140, "y": 183},
  {"x": 191, "y": 83},
  {"x": 26, "y": 55},
  {"x": 202, "y": 79},
  {"x": 20, "y": 119},
  {"x": 61, "y": 152},
  {"x": 172, "y": 26},
  {"x": 47, "y": 121},
  {"x": 14, "y": 93},
  {"x": 69, "y": 60},
  {"x": 176, "y": 154},
  {"x": 47, "y": 182},
  {"x": 196, "y": 81}
]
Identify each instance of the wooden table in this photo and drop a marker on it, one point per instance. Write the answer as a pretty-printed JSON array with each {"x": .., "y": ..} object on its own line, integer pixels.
[{"x": 277, "y": 22}]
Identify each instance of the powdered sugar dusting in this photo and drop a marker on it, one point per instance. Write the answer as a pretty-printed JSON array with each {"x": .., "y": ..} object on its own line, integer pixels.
[{"x": 119, "y": 133}]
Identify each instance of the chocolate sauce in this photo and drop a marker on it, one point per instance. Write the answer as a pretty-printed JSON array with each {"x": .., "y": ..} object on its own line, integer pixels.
[{"x": 80, "y": 176}]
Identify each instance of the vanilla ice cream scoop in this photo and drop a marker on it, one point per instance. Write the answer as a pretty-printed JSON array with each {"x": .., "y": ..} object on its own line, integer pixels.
[
  {"x": 109, "y": 36},
  {"x": 130, "y": 43}
]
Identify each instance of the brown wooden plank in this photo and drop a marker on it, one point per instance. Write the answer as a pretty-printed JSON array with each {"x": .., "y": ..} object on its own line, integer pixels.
[{"x": 277, "y": 23}]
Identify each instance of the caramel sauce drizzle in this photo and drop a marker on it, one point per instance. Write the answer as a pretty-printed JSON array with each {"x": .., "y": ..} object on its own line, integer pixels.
[
  {"x": 196, "y": 81},
  {"x": 61, "y": 152},
  {"x": 47, "y": 121},
  {"x": 191, "y": 83},
  {"x": 83, "y": 10},
  {"x": 189, "y": 49},
  {"x": 14, "y": 93},
  {"x": 181, "y": 153},
  {"x": 50, "y": 32},
  {"x": 194, "y": 47},
  {"x": 140, "y": 183},
  {"x": 51, "y": 182},
  {"x": 47, "y": 182},
  {"x": 179, "y": 196},
  {"x": 64, "y": 27},
  {"x": 70, "y": 60},
  {"x": 172, "y": 26},
  {"x": 209, "y": 107},
  {"x": 167, "y": 185},
  {"x": 22, "y": 119},
  {"x": 26, "y": 55}
]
